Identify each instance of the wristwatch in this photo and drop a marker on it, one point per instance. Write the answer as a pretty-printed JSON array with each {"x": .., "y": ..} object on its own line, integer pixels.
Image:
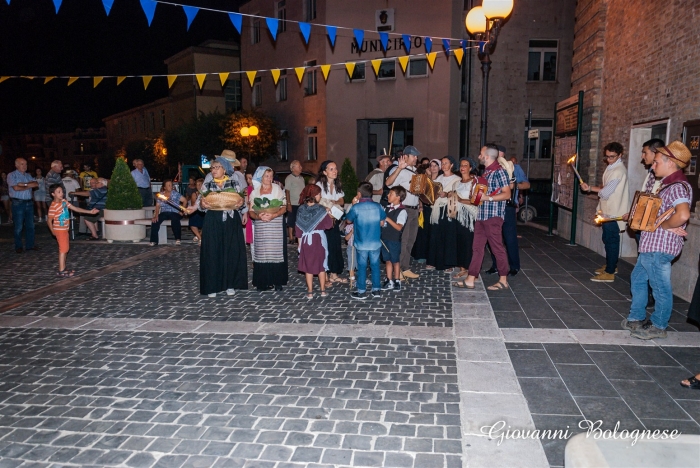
[{"x": 490, "y": 198}]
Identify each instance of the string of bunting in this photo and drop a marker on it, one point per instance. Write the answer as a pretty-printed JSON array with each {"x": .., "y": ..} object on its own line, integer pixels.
[{"x": 403, "y": 60}]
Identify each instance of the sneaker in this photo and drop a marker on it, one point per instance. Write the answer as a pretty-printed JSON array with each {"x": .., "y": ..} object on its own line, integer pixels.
[
  {"x": 602, "y": 270},
  {"x": 491, "y": 271},
  {"x": 388, "y": 286},
  {"x": 603, "y": 278},
  {"x": 360, "y": 296},
  {"x": 230, "y": 292},
  {"x": 631, "y": 325},
  {"x": 409, "y": 274},
  {"x": 211, "y": 295},
  {"x": 648, "y": 332},
  {"x": 397, "y": 286},
  {"x": 376, "y": 294}
]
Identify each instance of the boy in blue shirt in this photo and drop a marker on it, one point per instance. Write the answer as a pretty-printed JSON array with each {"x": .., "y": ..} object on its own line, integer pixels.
[{"x": 368, "y": 218}]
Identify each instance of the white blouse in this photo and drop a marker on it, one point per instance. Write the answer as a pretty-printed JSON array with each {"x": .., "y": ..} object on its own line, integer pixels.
[
  {"x": 448, "y": 182},
  {"x": 333, "y": 196}
]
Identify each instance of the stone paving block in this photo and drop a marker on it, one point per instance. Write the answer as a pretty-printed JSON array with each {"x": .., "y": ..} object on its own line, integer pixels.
[{"x": 337, "y": 457}]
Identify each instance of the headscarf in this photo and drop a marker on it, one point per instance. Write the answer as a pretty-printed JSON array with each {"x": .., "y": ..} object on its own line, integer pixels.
[
  {"x": 473, "y": 165},
  {"x": 309, "y": 191},
  {"x": 226, "y": 164},
  {"x": 436, "y": 161},
  {"x": 257, "y": 177}
]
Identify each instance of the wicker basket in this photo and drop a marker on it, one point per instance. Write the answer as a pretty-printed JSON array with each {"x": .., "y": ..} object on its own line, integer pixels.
[{"x": 223, "y": 201}]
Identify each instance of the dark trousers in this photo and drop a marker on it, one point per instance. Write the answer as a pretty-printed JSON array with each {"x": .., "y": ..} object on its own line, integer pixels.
[
  {"x": 174, "y": 223},
  {"x": 491, "y": 231},
  {"x": 146, "y": 196},
  {"x": 611, "y": 240},
  {"x": 23, "y": 217},
  {"x": 408, "y": 237},
  {"x": 510, "y": 239}
]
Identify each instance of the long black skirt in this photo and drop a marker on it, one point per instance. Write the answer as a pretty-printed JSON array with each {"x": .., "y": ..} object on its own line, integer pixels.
[
  {"x": 465, "y": 239},
  {"x": 335, "y": 250},
  {"x": 442, "y": 250},
  {"x": 420, "y": 247},
  {"x": 266, "y": 275},
  {"x": 222, "y": 257}
]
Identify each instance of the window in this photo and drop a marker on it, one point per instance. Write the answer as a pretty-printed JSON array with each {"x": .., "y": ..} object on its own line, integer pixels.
[
  {"x": 358, "y": 74},
  {"x": 310, "y": 79},
  {"x": 255, "y": 32},
  {"x": 232, "y": 96},
  {"x": 136, "y": 127},
  {"x": 152, "y": 120},
  {"x": 418, "y": 67},
  {"x": 387, "y": 70},
  {"x": 309, "y": 10},
  {"x": 311, "y": 143},
  {"x": 281, "y": 92},
  {"x": 143, "y": 124},
  {"x": 282, "y": 15},
  {"x": 162, "y": 118},
  {"x": 257, "y": 93},
  {"x": 542, "y": 60},
  {"x": 282, "y": 145},
  {"x": 540, "y": 148}
]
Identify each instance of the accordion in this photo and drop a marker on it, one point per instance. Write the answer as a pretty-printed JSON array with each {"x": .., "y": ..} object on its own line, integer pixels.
[
  {"x": 479, "y": 191},
  {"x": 423, "y": 186}
]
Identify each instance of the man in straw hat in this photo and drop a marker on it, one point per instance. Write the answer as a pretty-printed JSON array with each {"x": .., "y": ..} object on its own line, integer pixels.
[{"x": 658, "y": 248}]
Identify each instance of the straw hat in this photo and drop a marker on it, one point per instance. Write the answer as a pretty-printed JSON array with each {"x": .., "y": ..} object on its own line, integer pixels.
[
  {"x": 231, "y": 157},
  {"x": 676, "y": 151}
]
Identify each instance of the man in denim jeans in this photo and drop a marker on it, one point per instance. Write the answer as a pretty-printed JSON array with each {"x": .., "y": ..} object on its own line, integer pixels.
[
  {"x": 658, "y": 248},
  {"x": 21, "y": 184},
  {"x": 368, "y": 218}
]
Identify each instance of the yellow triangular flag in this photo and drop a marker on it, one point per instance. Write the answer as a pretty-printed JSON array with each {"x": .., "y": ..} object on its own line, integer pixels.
[
  {"x": 431, "y": 59},
  {"x": 325, "y": 69},
  {"x": 300, "y": 73},
  {"x": 171, "y": 80},
  {"x": 146, "y": 81},
  {"x": 3, "y": 78},
  {"x": 28, "y": 77},
  {"x": 251, "y": 77},
  {"x": 96, "y": 80},
  {"x": 120, "y": 79},
  {"x": 350, "y": 67},
  {"x": 47, "y": 79},
  {"x": 376, "y": 64},
  {"x": 459, "y": 54},
  {"x": 200, "y": 79},
  {"x": 275, "y": 75},
  {"x": 403, "y": 61},
  {"x": 72, "y": 80},
  {"x": 223, "y": 77}
]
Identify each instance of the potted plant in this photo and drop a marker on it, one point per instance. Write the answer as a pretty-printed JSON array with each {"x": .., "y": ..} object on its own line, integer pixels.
[
  {"x": 123, "y": 207},
  {"x": 348, "y": 178}
]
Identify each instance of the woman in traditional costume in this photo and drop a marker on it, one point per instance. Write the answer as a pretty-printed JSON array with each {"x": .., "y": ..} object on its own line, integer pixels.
[
  {"x": 466, "y": 215},
  {"x": 311, "y": 225},
  {"x": 422, "y": 244},
  {"x": 332, "y": 193},
  {"x": 442, "y": 252}
]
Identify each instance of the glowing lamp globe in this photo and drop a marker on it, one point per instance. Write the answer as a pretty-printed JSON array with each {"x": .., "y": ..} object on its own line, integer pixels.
[
  {"x": 245, "y": 131},
  {"x": 493, "y": 9},
  {"x": 476, "y": 21},
  {"x": 253, "y": 130}
]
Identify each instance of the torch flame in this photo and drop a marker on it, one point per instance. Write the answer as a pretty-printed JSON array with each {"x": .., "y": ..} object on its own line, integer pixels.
[
  {"x": 161, "y": 196},
  {"x": 598, "y": 219},
  {"x": 571, "y": 160}
]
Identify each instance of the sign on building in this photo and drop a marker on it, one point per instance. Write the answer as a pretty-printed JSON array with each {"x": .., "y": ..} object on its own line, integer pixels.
[{"x": 384, "y": 20}]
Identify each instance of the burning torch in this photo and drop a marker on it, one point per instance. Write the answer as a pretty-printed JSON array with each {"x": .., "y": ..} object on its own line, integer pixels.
[
  {"x": 572, "y": 163},
  {"x": 163, "y": 198}
]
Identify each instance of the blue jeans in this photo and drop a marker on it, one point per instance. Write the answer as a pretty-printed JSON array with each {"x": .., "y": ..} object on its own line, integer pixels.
[
  {"x": 23, "y": 217},
  {"x": 362, "y": 256},
  {"x": 653, "y": 268},
  {"x": 611, "y": 240}
]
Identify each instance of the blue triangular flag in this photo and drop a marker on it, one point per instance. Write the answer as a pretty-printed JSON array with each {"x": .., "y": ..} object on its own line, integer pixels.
[
  {"x": 359, "y": 37},
  {"x": 331, "y": 30},
  {"x": 272, "y": 24},
  {"x": 305, "y": 31},
  {"x": 107, "y": 4},
  {"x": 190, "y": 12},
  {"x": 406, "y": 42},
  {"x": 446, "y": 45},
  {"x": 149, "y": 7},
  {"x": 237, "y": 21},
  {"x": 384, "y": 38},
  {"x": 428, "y": 45},
  {"x": 56, "y": 3},
  {"x": 463, "y": 44}
]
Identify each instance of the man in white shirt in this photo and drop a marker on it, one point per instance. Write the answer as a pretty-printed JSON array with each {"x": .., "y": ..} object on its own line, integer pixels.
[
  {"x": 376, "y": 177},
  {"x": 293, "y": 185}
]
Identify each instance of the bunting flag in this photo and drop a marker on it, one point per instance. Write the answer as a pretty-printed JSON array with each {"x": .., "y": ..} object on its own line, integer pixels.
[
  {"x": 403, "y": 61},
  {"x": 223, "y": 77},
  {"x": 359, "y": 37},
  {"x": 3, "y": 78},
  {"x": 96, "y": 80},
  {"x": 27, "y": 77},
  {"x": 275, "y": 75},
  {"x": 384, "y": 39},
  {"x": 406, "y": 42},
  {"x": 56, "y": 3},
  {"x": 72, "y": 79},
  {"x": 106, "y": 3},
  {"x": 120, "y": 79},
  {"x": 428, "y": 45},
  {"x": 190, "y": 12},
  {"x": 305, "y": 29},
  {"x": 272, "y": 25},
  {"x": 331, "y": 31},
  {"x": 431, "y": 59},
  {"x": 200, "y": 79},
  {"x": 149, "y": 7},
  {"x": 375, "y": 65},
  {"x": 251, "y": 77},
  {"x": 146, "y": 81},
  {"x": 46, "y": 80},
  {"x": 350, "y": 67},
  {"x": 459, "y": 54},
  {"x": 171, "y": 80},
  {"x": 446, "y": 45},
  {"x": 300, "y": 73},
  {"x": 237, "y": 21},
  {"x": 325, "y": 69}
]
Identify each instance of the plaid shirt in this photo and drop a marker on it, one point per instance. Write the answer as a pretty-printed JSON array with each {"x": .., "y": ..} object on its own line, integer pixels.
[
  {"x": 672, "y": 194},
  {"x": 497, "y": 178}
]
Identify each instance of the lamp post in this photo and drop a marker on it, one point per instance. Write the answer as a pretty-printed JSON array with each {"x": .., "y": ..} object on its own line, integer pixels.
[
  {"x": 484, "y": 23},
  {"x": 247, "y": 132}
]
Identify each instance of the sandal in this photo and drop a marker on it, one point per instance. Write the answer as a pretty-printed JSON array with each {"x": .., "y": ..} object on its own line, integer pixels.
[
  {"x": 324, "y": 294},
  {"x": 461, "y": 285},
  {"x": 448, "y": 270},
  {"x": 461, "y": 274},
  {"x": 430, "y": 267},
  {"x": 309, "y": 295},
  {"x": 90, "y": 238},
  {"x": 177, "y": 242},
  {"x": 693, "y": 383},
  {"x": 65, "y": 273},
  {"x": 498, "y": 286},
  {"x": 341, "y": 280}
]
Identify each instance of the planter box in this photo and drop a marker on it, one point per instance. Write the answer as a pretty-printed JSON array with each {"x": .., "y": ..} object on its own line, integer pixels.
[{"x": 120, "y": 226}]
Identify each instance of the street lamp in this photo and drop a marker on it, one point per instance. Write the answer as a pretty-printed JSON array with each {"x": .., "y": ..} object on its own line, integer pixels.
[
  {"x": 484, "y": 23},
  {"x": 249, "y": 132}
]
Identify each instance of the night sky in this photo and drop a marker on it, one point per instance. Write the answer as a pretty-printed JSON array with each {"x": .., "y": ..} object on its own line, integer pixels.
[{"x": 82, "y": 40}]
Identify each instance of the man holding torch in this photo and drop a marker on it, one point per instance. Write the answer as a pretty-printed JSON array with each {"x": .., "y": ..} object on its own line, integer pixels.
[{"x": 614, "y": 203}]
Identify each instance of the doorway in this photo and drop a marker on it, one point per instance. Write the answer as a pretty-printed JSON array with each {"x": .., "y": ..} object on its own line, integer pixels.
[{"x": 374, "y": 137}]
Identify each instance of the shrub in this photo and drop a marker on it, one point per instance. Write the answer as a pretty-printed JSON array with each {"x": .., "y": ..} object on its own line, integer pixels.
[
  {"x": 349, "y": 180},
  {"x": 122, "y": 193}
]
